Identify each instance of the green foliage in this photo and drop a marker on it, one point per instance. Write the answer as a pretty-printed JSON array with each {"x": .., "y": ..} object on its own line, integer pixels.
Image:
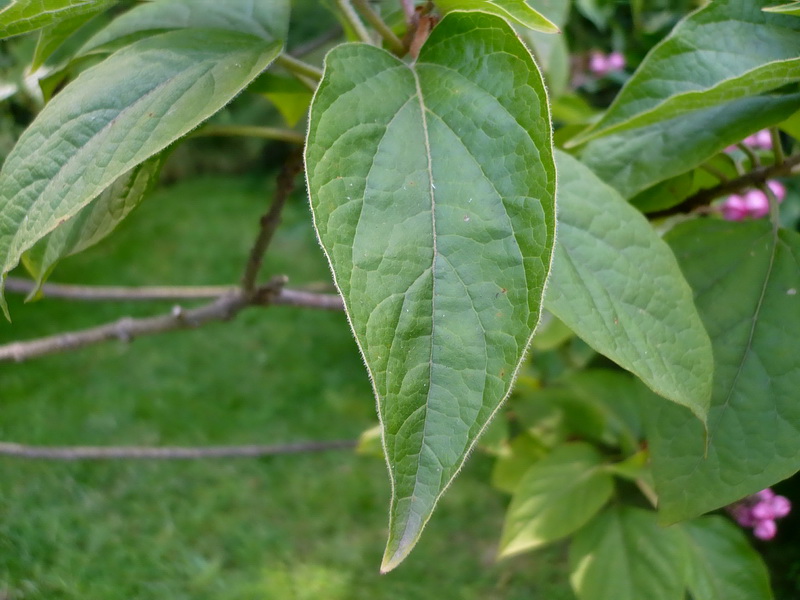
[
  {"x": 624, "y": 554},
  {"x": 746, "y": 284},
  {"x": 444, "y": 305},
  {"x": 666, "y": 364},
  {"x": 518, "y": 11},
  {"x": 24, "y": 16},
  {"x": 713, "y": 57},
  {"x": 602, "y": 288},
  {"x": 555, "y": 498},
  {"x": 722, "y": 564}
]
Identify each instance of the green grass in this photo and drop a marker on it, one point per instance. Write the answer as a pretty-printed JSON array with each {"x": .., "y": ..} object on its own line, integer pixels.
[{"x": 287, "y": 527}]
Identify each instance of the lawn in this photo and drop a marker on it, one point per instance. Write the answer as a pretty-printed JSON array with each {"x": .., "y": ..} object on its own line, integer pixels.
[{"x": 285, "y": 527}]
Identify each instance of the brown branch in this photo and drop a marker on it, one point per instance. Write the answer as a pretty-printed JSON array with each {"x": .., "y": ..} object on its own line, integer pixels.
[
  {"x": 303, "y": 298},
  {"x": 749, "y": 180},
  {"x": 112, "y": 292},
  {"x": 127, "y": 329},
  {"x": 167, "y": 452},
  {"x": 270, "y": 221}
]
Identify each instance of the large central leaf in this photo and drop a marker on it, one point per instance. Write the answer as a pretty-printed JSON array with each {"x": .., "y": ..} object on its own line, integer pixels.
[{"x": 433, "y": 192}]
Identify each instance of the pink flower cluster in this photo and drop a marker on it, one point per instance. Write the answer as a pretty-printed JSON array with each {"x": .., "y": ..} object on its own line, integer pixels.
[
  {"x": 752, "y": 204},
  {"x": 760, "y": 511},
  {"x": 601, "y": 64},
  {"x": 760, "y": 139}
]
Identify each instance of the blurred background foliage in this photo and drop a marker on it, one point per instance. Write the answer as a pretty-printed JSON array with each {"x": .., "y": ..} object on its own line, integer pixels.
[{"x": 294, "y": 527}]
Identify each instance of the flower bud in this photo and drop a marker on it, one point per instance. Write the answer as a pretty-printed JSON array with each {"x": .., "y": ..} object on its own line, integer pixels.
[
  {"x": 756, "y": 204},
  {"x": 765, "y": 530},
  {"x": 734, "y": 208},
  {"x": 598, "y": 64},
  {"x": 615, "y": 61},
  {"x": 777, "y": 188}
]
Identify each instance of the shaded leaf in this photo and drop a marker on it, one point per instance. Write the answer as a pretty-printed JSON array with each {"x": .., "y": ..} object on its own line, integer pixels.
[
  {"x": 556, "y": 496},
  {"x": 432, "y": 188},
  {"x": 518, "y": 11},
  {"x": 53, "y": 37},
  {"x": 727, "y": 49},
  {"x": 24, "y": 16},
  {"x": 747, "y": 287},
  {"x": 516, "y": 458},
  {"x": 113, "y": 117},
  {"x": 792, "y": 8},
  {"x": 617, "y": 285},
  {"x": 632, "y": 161},
  {"x": 267, "y": 19},
  {"x": 625, "y": 555},
  {"x": 94, "y": 222},
  {"x": 722, "y": 563},
  {"x": 289, "y": 96}
]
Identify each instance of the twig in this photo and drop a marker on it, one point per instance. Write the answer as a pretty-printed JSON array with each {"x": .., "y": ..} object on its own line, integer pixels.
[
  {"x": 353, "y": 20},
  {"x": 127, "y": 329},
  {"x": 311, "y": 45},
  {"x": 267, "y": 133},
  {"x": 97, "y": 293},
  {"x": 749, "y": 180},
  {"x": 754, "y": 161},
  {"x": 299, "y": 67},
  {"x": 777, "y": 148},
  {"x": 374, "y": 19},
  {"x": 270, "y": 221},
  {"x": 715, "y": 172},
  {"x": 167, "y": 452}
]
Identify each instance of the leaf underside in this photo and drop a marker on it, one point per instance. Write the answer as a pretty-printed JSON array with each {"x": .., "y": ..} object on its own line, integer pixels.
[{"x": 433, "y": 193}]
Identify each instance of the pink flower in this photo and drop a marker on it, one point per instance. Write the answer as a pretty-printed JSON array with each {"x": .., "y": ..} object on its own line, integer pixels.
[
  {"x": 760, "y": 139},
  {"x": 765, "y": 530},
  {"x": 734, "y": 208},
  {"x": 601, "y": 64},
  {"x": 756, "y": 204},
  {"x": 777, "y": 188},
  {"x": 598, "y": 64},
  {"x": 759, "y": 511},
  {"x": 615, "y": 61}
]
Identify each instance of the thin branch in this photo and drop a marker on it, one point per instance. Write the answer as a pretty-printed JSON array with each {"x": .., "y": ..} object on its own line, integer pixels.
[
  {"x": 167, "y": 452},
  {"x": 127, "y": 329},
  {"x": 350, "y": 15},
  {"x": 267, "y": 133},
  {"x": 754, "y": 161},
  {"x": 298, "y": 67},
  {"x": 374, "y": 19},
  {"x": 270, "y": 221},
  {"x": 749, "y": 180},
  {"x": 715, "y": 172},
  {"x": 96, "y": 293},
  {"x": 777, "y": 147},
  {"x": 317, "y": 43}
]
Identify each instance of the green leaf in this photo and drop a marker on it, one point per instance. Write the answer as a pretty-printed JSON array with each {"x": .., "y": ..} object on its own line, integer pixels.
[
  {"x": 722, "y": 563},
  {"x": 518, "y": 11},
  {"x": 289, "y": 96},
  {"x": 632, "y": 161},
  {"x": 24, "y": 16},
  {"x": 792, "y": 8},
  {"x": 617, "y": 285},
  {"x": 726, "y": 50},
  {"x": 516, "y": 458},
  {"x": 747, "y": 283},
  {"x": 625, "y": 555},
  {"x": 53, "y": 37},
  {"x": 113, "y": 117},
  {"x": 267, "y": 19},
  {"x": 556, "y": 497},
  {"x": 95, "y": 221},
  {"x": 432, "y": 188}
]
